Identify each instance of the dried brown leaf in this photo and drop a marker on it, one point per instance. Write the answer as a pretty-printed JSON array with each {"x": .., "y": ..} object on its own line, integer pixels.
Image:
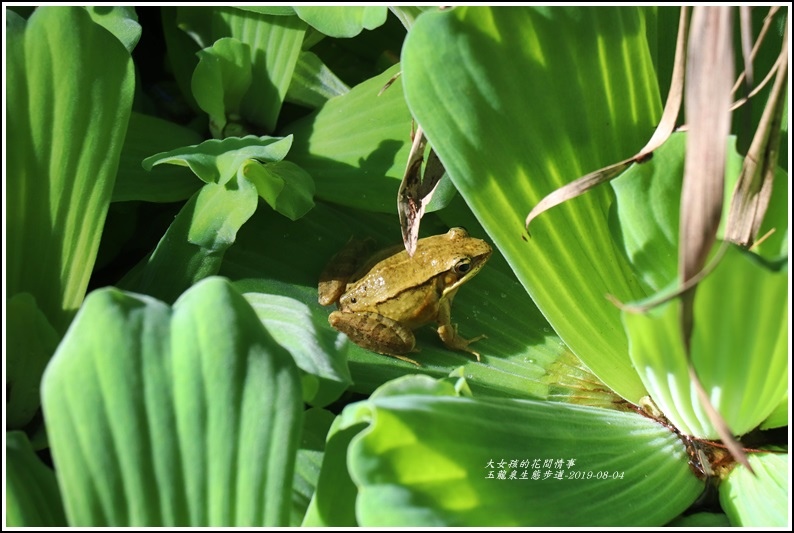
[
  {"x": 576, "y": 188},
  {"x": 757, "y": 45},
  {"x": 707, "y": 100},
  {"x": 754, "y": 187},
  {"x": 416, "y": 189}
]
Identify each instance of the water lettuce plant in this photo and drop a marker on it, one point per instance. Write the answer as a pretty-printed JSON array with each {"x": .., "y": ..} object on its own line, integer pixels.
[{"x": 177, "y": 177}]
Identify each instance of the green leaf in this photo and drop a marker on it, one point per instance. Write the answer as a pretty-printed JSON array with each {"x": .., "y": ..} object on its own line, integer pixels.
[
  {"x": 577, "y": 465},
  {"x": 182, "y": 53},
  {"x": 316, "y": 423},
  {"x": 269, "y": 10},
  {"x": 194, "y": 244},
  {"x": 31, "y": 491},
  {"x": 340, "y": 21},
  {"x": 333, "y": 502},
  {"x": 183, "y": 416},
  {"x": 738, "y": 347},
  {"x": 217, "y": 161},
  {"x": 589, "y": 97},
  {"x": 274, "y": 41},
  {"x": 701, "y": 520},
  {"x": 301, "y": 329},
  {"x": 220, "y": 81},
  {"x": 30, "y": 343},
  {"x": 648, "y": 198},
  {"x": 409, "y": 14},
  {"x": 71, "y": 83},
  {"x": 285, "y": 186},
  {"x": 147, "y": 135},
  {"x": 760, "y": 499},
  {"x": 648, "y": 209},
  {"x": 313, "y": 83},
  {"x": 779, "y": 416},
  {"x": 121, "y": 21},
  {"x": 356, "y": 145}
]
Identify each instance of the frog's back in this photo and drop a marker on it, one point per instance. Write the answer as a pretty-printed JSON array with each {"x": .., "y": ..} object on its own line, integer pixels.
[{"x": 392, "y": 276}]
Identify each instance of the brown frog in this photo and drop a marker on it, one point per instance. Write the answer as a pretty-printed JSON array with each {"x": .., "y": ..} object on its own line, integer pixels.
[{"x": 392, "y": 294}]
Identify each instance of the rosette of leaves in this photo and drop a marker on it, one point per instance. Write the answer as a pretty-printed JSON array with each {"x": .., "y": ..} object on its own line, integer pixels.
[{"x": 181, "y": 399}]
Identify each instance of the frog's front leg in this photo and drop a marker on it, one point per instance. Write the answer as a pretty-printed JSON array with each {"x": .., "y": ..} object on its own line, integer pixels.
[
  {"x": 375, "y": 332},
  {"x": 449, "y": 333}
]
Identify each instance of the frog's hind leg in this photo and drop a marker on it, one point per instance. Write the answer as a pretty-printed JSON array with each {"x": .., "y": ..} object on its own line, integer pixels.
[{"x": 375, "y": 332}]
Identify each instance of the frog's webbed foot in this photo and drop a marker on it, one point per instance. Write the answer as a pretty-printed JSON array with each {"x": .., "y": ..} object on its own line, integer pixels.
[
  {"x": 403, "y": 358},
  {"x": 449, "y": 335}
]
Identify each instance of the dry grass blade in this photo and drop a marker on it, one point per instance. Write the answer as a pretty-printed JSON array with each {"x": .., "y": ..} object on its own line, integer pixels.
[
  {"x": 761, "y": 35},
  {"x": 409, "y": 200},
  {"x": 672, "y": 105},
  {"x": 390, "y": 83},
  {"x": 416, "y": 190},
  {"x": 707, "y": 101},
  {"x": 661, "y": 134},
  {"x": 414, "y": 193},
  {"x": 754, "y": 187},
  {"x": 758, "y": 88},
  {"x": 747, "y": 46},
  {"x": 577, "y": 187}
]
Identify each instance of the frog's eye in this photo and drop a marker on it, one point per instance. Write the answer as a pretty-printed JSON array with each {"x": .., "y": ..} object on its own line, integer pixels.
[{"x": 463, "y": 266}]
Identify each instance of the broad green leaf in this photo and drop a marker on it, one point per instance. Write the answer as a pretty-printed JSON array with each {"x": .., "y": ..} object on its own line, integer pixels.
[
  {"x": 71, "y": 83},
  {"x": 274, "y": 41},
  {"x": 30, "y": 343},
  {"x": 779, "y": 416},
  {"x": 183, "y": 416},
  {"x": 220, "y": 81},
  {"x": 762, "y": 499},
  {"x": 269, "y": 10},
  {"x": 517, "y": 102},
  {"x": 313, "y": 83},
  {"x": 217, "y": 161},
  {"x": 121, "y": 21},
  {"x": 147, "y": 135},
  {"x": 362, "y": 57},
  {"x": 739, "y": 347},
  {"x": 517, "y": 357},
  {"x": 701, "y": 520},
  {"x": 294, "y": 320},
  {"x": 31, "y": 491},
  {"x": 285, "y": 186},
  {"x": 338, "y": 21},
  {"x": 356, "y": 145},
  {"x": 415, "y": 384},
  {"x": 648, "y": 208},
  {"x": 309, "y": 460},
  {"x": 182, "y": 53},
  {"x": 578, "y": 466},
  {"x": 193, "y": 246},
  {"x": 409, "y": 14},
  {"x": 334, "y": 499}
]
